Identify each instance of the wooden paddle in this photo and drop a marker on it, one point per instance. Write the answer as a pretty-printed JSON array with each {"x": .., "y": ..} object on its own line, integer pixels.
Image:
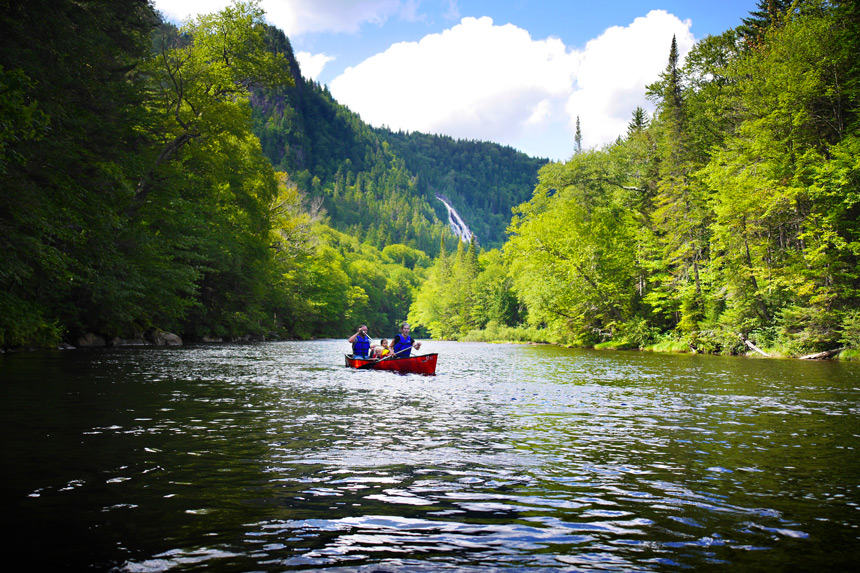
[{"x": 389, "y": 357}]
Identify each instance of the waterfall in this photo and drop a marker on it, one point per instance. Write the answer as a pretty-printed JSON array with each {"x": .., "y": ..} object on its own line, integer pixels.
[{"x": 457, "y": 224}]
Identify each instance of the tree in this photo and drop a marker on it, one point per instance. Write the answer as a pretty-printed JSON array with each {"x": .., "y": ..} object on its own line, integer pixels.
[
  {"x": 572, "y": 251},
  {"x": 767, "y": 14},
  {"x": 67, "y": 70},
  {"x": 638, "y": 122},
  {"x": 681, "y": 212},
  {"x": 785, "y": 236},
  {"x": 200, "y": 80}
]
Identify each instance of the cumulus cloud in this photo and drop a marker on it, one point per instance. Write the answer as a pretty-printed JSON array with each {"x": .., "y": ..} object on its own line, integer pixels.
[
  {"x": 182, "y": 9},
  {"x": 297, "y": 17},
  {"x": 478, "y": 80},
  {"x": 615, "y": 69},
  {"x": 312, "y": 64},
  {"x": 475, "y": 80}
]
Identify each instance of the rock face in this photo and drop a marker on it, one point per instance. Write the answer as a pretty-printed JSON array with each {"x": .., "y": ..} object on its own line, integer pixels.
[
  {"x": 90, "y": 340},
  {"x": 161, "y": 338},
  {"x": 153, "y": 337},
  {"x": 171, "y": 339},
  {"x": 128, "y": 342}
]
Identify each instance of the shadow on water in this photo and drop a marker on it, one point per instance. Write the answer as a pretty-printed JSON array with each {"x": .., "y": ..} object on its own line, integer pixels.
[{"x": 276, "y": 457}]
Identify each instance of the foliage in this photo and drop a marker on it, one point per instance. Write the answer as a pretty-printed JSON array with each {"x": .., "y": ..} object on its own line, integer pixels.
[
  {"x": 851, "y": 330},
  {"x": 732, "y": 212},
  {"x": 191, "y": 180},
  {"x": 464, "y": 292},
  {"x": 483, "y": 181}
]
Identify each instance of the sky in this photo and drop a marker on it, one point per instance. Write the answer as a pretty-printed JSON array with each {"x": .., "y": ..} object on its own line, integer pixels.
[{"x": 515, "y": 72}]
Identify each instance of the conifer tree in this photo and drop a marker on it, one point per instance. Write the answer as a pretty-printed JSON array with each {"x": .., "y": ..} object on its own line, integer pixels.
[
  {"x": 681, "y": 214},
  {"x": 638, "y": 122}
]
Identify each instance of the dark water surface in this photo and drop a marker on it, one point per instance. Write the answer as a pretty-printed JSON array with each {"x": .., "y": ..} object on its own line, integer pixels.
[{"x": 275, "y": 457}]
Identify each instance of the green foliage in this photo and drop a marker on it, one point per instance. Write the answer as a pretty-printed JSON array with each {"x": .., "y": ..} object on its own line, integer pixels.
[
  {"x": 137, "y": 191},
  {"x": 732, "y": 213},
  {"x": 495, "y": 332},
  {"x": 851, "y": 329},
  {"x": 483, "y": 181},
  {"x": 150, "y": 202},
  {"x": 573, "y": 248},
  {"x": 463, "y": 293}
]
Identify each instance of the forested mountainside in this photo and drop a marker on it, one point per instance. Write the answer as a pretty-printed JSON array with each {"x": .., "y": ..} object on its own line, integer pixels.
[
  {"x": 149, "y": 184},
  {"x": 482, "y": 180},
  {"x": 379, "y": 185},
  {"x": 136, "y": 199}
]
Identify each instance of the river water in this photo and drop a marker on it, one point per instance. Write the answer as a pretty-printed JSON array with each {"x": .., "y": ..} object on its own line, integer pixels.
[{"x": 274, "y": 457}]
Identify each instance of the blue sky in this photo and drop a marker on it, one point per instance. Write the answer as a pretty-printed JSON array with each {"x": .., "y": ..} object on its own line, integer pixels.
[{"x": 515, "y": 72}]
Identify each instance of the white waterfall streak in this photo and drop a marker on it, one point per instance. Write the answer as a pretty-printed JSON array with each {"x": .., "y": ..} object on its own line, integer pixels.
[{"x": 457, "y": 224}]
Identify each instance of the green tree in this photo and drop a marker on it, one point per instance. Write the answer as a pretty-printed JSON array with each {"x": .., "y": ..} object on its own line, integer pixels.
[
  {"x": 786, "y": 244},
  {"x": 572, "y": 251},
  {"x": 201, "y": 79},
  {"x": 60, "y": 194},
  {"x": 680, "y": 217}
]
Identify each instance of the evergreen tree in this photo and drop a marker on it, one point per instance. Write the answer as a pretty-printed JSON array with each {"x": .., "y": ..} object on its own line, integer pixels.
[
  {"x": 638, "y": 122},
  {"x": 766, "y": 14}
]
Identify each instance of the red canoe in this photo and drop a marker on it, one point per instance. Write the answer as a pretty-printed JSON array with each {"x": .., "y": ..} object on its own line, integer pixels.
[{"x": 424, "y": 364}]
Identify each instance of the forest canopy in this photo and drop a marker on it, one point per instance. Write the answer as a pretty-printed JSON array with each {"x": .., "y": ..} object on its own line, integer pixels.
[
  {"x": 189, "y": 179},
  {"x": 728, "y": 219}
]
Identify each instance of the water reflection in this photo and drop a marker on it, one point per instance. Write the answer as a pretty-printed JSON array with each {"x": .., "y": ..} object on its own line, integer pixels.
[{"x": 275, "y": 456}]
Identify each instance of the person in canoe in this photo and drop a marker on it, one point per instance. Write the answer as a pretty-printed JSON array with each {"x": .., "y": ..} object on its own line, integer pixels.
[
  {"x": 381, "y": 350},
  {"x": 402, "y": 344},
  {"x": 360, "y": 343}
]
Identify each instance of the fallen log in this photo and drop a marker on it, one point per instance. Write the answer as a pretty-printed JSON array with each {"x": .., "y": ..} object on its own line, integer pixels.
[
  {"x": 753, "y": 346},
  {"x": 821, "y": 355}
]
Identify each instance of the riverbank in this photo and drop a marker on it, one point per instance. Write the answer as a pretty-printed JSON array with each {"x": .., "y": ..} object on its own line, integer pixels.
[{"x": 495, "y": 333}]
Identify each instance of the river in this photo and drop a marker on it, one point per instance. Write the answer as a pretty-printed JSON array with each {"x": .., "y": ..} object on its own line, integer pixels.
[{"x": 274, "y": 457}]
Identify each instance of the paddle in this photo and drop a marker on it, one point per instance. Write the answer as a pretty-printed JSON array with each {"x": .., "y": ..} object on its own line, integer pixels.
[{"x": 389, "y": 357}]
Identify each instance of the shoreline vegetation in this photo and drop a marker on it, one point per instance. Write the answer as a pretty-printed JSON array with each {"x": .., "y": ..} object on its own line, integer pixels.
[
  {"x": 669, "y": 345},
  {"x": 188, "y": 180}
]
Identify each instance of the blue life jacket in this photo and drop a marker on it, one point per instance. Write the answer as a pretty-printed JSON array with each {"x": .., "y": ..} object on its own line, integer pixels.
[
  {"x": 400, "y": 343},
  {"x": 361, "y": 346}
]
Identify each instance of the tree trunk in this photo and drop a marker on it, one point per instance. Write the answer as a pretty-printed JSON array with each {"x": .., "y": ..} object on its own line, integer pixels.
[
  {"x": 821, "y": 355},
  {"x": 753, "y": 346}
]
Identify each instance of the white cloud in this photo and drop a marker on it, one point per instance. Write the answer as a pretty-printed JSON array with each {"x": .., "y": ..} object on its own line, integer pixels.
[
  {"x": 312, "y": 64},
  {"x": 297, "y": 17},
  {"x": 615, "y": 69},
  {"x": 476, "y": 80},
  {"x": 482, "y": 81},
  {"x": 182, "y": 9}
]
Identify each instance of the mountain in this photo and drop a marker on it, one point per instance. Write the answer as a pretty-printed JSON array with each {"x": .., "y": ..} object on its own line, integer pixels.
[
  {"x": 382, "y": 185},
  {"x": 481, "y": 180}
]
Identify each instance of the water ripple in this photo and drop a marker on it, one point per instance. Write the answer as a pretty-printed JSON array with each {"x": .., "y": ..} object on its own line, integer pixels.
[{"x": 275, "y": 456}]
